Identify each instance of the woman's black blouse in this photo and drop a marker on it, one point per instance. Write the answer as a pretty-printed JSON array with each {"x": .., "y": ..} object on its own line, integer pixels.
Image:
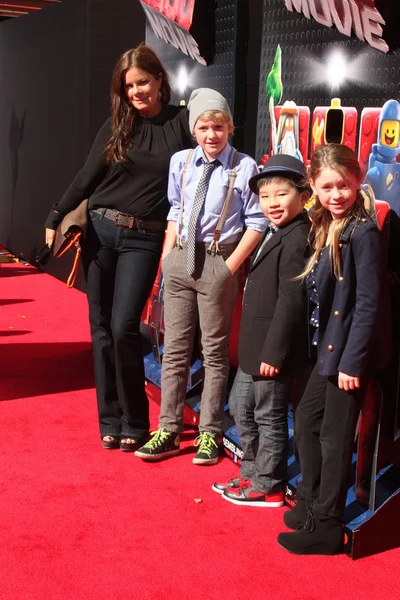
[{"x": 137, "y": 186}]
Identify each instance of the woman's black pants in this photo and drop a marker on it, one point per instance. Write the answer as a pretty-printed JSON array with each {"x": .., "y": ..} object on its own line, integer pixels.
[
  {"x": 325, "y": 424},
  {"x": 120, "y": 266}
]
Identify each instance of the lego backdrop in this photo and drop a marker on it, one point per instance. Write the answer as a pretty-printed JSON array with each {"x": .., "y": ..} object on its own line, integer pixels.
[
  {"x": 232, "y": 53},
  {"x": 330, "y": 72},
  {"x": 187, "y": 73},
  {"x": 310, "y": 64}
]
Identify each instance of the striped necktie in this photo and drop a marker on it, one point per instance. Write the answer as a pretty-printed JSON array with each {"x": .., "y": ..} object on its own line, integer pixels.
[
  {"x": 198, "y": 202},
  {"x": 271, "y": 229}
]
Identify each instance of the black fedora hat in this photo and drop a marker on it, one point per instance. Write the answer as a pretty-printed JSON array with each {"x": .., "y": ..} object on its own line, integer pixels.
[{"x": 280, "y": 164}]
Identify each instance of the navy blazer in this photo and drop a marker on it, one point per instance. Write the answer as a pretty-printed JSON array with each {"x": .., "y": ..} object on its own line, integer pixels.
[
  {"x": 273, "y": 328},
  {"x": 349, "y": 307}
]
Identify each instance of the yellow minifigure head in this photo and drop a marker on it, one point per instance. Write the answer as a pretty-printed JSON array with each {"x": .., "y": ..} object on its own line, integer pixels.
[{"x": 390, "y": 133}]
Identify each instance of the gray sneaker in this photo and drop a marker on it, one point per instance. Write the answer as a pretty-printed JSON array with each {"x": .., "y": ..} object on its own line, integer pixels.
[
  {"x": 163, "y": 443},
  {"x": 208, "y": 451},
  {"x": 226, "y": 485}
]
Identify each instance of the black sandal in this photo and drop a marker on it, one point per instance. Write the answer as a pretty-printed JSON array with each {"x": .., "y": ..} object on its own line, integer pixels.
[
  {"x": 126, "y": 446},
  {"x": 110, "y": 444}
]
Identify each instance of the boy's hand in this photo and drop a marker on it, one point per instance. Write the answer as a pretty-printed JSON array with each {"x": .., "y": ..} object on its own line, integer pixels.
[
  {"x": 165, "y": 254},
  {"x": 246, "y": 245},
  {"x": 267, "y": 370},
  {"x": 347, "y": 382},
  {"x": 231, "y": 267}
]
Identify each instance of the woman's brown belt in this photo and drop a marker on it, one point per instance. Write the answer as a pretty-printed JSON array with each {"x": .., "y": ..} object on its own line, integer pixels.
[{"x": 130, "y": 221}]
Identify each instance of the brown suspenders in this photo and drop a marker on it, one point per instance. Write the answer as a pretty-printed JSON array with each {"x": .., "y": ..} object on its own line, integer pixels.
[{"x": 214, "y": 244}]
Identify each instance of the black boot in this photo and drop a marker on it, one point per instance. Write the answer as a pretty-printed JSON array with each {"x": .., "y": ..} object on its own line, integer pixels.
[
  {"x": 317, "y": 536},
  {"x": 296, "y": 518}
]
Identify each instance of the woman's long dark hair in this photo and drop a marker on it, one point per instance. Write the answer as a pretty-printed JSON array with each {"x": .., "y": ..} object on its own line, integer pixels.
[{"x": 123, "y": 113}]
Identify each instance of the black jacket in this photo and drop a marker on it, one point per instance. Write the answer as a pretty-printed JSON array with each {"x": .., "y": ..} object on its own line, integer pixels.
[
  {"x": 273, "y": 328},
  {"x": 350, "y": 335}
]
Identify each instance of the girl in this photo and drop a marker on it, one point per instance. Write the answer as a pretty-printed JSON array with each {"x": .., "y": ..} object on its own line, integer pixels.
[{"x": 344, "y": 280}]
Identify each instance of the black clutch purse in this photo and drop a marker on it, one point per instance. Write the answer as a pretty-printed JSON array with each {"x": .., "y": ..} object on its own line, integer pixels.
[{"x": 71, "y": 234}]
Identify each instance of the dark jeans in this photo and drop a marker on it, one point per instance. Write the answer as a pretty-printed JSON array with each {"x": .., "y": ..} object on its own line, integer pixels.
[
  {"x": 259, "y": 406},
  {"x": 120, "y": 266},
  {"x": 326, "y": 420}
]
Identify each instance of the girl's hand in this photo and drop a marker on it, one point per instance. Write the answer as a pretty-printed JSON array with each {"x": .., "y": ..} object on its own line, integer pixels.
[
  {"x": 50, "y": 235},
  {"x": 267, "y": 370},
  {"x": 347, "y": 382}
]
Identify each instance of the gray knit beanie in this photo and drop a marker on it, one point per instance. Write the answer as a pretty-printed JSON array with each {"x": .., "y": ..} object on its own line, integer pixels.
[{"x": 204, "y": 99}]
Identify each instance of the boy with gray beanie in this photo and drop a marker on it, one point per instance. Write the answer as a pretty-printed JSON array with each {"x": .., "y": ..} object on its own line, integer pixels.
[{"x": 211, "y": 205}]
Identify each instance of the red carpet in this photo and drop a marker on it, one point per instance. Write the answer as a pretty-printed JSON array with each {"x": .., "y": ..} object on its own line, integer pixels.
[{"x": 81, "y": 522}]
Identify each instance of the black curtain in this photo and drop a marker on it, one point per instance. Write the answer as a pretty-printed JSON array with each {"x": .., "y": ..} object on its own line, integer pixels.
[{"x": 55, "y": 73}]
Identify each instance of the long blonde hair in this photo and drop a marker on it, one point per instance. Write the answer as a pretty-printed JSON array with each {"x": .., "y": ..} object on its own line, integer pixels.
[{"x": 343, "y": 160}]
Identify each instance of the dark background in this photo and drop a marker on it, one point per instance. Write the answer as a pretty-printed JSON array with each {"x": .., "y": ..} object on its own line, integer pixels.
[{"x": 55, "y": 73}]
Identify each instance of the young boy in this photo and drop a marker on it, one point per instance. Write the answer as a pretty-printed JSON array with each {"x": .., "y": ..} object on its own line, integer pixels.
[
  {"x": 273, "y": 336},
  {"x": 211, "y": 203}
]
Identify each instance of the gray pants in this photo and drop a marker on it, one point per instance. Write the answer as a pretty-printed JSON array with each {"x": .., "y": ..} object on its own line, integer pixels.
[
  {"x": 259, "y": 406},
  {"x": 208, "y": 297}
]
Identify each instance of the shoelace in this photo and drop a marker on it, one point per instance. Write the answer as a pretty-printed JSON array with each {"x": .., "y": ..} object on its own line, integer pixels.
[
  {"x": 205, "y": 441},
  {"x": 157, "y": 438},
  {"x": 244, "y": 483}
]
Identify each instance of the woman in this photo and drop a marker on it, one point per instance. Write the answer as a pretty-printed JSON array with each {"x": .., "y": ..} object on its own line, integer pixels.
[{"x": 125, "y": 178}]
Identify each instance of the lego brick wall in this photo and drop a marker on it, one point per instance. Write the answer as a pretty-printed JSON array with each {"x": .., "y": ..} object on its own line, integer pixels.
[
  {"x": 306, "y": 48},
  {"x": 234, "y": 70},
  {"x": 220, "y": 75}
]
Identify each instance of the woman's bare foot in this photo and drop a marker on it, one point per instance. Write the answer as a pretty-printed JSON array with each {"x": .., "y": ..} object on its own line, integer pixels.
[
  {"x": 128, "y": 444},
  {"x": 110, "y": 442}
]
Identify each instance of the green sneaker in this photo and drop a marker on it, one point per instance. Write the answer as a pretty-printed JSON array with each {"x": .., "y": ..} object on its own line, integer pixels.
[
  {"x": 163, "y": 443},
  {"x": 208, "y": 451}
]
